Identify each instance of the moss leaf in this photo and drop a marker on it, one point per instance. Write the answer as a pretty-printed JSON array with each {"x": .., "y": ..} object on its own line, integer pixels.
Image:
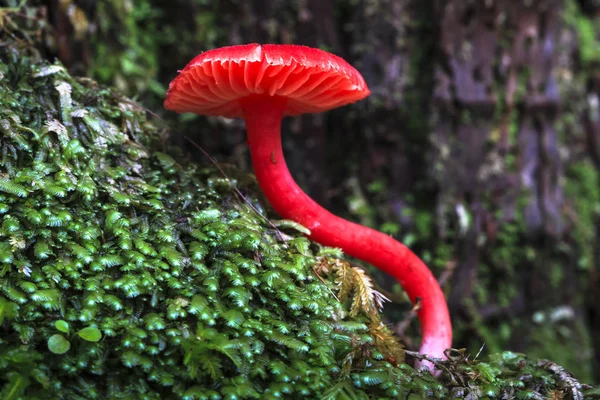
[
  {"x": 90, "y": 334},
  {"x": 62, "y": 326},
  {"x": 57, "y": 344}
]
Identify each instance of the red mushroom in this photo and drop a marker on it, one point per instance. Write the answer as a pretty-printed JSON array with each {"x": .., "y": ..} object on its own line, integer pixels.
[{"x": 264, "y": 83}]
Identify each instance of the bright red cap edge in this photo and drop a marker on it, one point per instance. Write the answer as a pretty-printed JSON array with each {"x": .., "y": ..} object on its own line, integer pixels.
[{"x": 312, "y": 80}]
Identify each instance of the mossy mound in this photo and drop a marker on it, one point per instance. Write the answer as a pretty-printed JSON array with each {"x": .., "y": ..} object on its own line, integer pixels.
[{"x": 126, "y": 275}]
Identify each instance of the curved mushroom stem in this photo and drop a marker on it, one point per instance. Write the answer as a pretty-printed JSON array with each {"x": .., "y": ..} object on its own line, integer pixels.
[{"x": 263, "y": 115}]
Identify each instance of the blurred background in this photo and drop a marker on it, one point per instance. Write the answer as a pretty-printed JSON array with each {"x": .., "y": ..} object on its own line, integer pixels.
[{"x": 479, "y": 147}]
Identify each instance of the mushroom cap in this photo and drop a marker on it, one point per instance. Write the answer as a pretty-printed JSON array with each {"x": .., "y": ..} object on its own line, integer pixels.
[{"x": 312, "y": 80}]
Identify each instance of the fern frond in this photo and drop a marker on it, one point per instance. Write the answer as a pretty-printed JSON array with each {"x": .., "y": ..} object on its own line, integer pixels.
[
  {"x": 209, "y": 363},
  {"x": 353, "y": 281},
  {"x": 55, "y": 190},
  {"x": 349, "y": 326},
  {"x": 345, "y": 279},
  {"x": 373, "y": 378},
  {"x": 387, "y": 343},
  {"x": 14, "y": 294},
  {"x": 17, "y": 138},
  {"x": 363, "y": 293},
  {"x": 288, "y": 341},
  {"x": 6, "y": 185},
  {"x": 233, "y": 318},
  {"x": 47, "y": 295},
  {"x": 378, "y": 300},
  {"x": 343, "y": 390}
]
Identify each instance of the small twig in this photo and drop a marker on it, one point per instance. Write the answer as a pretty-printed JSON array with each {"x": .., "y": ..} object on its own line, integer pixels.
[
  {"x": 419, "y": 356},
  {"x": 479, "y": 352},
  {"x": 439, "y": 363}
]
